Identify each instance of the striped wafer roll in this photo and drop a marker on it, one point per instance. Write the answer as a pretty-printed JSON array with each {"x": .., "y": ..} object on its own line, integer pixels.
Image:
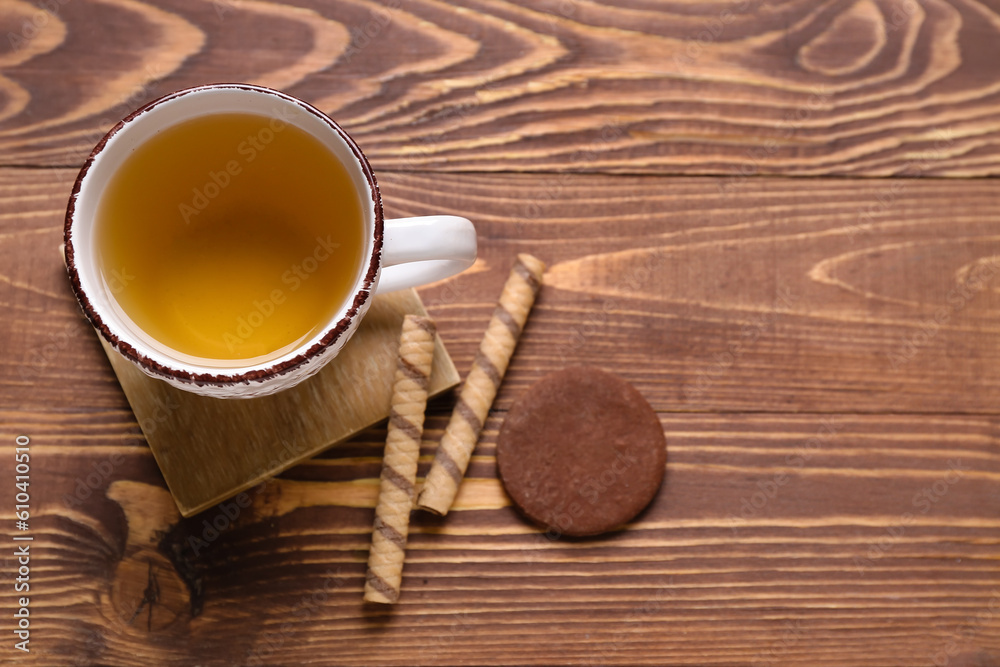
[
  {"x": 481, "y": 385},
  {"x": 399, "y": 465}
]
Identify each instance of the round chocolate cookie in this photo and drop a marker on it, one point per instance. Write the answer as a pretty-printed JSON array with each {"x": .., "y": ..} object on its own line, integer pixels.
[{"x": 581, "y": 452}]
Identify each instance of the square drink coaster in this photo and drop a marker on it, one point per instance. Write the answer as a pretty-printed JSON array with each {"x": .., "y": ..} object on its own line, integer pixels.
[{"x": 210, "y": 449}]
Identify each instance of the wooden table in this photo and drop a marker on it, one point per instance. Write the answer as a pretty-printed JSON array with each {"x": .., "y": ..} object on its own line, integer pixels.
[{"x": 779, "y": 220}]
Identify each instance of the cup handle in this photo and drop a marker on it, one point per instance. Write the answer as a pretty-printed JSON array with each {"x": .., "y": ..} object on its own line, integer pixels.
[{"x": 422, "y": 250}]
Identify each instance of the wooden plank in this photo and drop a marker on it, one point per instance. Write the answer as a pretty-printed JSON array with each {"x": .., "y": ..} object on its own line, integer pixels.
[
  {"x": 824, "y": 295},
  {"x": 874, "y": 87},
  {"x": 869, "y": 539},
  {"x": 824, "y": 567},
  {"x": 821, "y": 352}
]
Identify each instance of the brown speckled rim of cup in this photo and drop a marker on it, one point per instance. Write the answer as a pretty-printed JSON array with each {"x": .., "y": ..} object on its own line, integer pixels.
[{"x": 331, "y": 335}]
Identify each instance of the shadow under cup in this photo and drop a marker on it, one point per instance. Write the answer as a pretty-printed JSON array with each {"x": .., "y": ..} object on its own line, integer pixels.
[{"x": 101, "y": 293}]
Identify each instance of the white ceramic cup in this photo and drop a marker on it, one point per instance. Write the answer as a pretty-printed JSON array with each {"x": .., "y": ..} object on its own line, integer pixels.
[{"x": 398, "y": 253}]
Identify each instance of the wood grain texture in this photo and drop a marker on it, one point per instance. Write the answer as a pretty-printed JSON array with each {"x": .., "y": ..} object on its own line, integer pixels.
[
  {"x": 855, "y": 296},
  {"x": 821, "y": 351},
  {"x": 819, "y": 507},
  {"x": 878, "y": 546},
  {"x": 848, "y": 87}
]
